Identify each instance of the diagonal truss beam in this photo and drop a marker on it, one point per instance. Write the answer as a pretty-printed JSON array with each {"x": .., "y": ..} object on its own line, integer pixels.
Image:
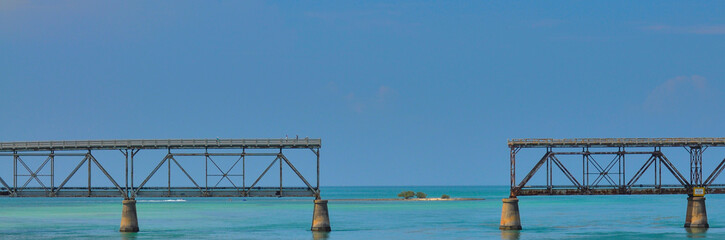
[
  {"x": 656, "y": 157},
  {"x": 263, "y": 173},
  {"x": 603, "y": 174},
  {"x": 673, "y": 170},
  {"x": 224, "y": 174},
  {"x": 297, "y": 172},
  {"x": 187, "y": 174},
  {"x": 80, "y": 164},
  {"x": 166, "y": 158},
  {"x": 533, "y": 171},
  {"x": 642, "y": 170},
  {"x": 715, "y": 173},
  {"x": 121, "y": 190},
  {"x": 607, "y": 170},
  {"x": 565, "y": 171},
  {"x": 6, "y": 185},
  {"x": 33, "y": 175}
]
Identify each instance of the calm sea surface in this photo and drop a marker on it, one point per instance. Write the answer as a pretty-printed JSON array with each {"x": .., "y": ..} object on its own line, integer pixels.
[{"x": 568, "y": 217}]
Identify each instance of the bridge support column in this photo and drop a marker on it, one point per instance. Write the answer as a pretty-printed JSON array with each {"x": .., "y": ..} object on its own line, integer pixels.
[
  {"x": 696, "y": 213},
  {"x": 320, "y": 217},
  {"x": 510, "y": 219},
  {"x": 129, "y": 221}
]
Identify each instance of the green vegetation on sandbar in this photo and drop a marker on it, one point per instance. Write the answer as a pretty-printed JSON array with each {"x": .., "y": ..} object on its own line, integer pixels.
[
  {"x": 406, "y": 194},
  {"x": 421, "y": 195},
  {"x": 411, "y": 194}
]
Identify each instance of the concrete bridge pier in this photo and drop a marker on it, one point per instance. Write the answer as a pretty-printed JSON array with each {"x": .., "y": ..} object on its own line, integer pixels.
[
  {"x": 129, "y": 221},
  {"x": 696, "y": 213},
  {"x": 510, "y": 219},
  {"x": 320, "y": 217}
]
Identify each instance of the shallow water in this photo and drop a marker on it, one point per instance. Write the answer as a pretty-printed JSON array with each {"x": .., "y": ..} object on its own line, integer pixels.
[{"x": 543, "y": 217}]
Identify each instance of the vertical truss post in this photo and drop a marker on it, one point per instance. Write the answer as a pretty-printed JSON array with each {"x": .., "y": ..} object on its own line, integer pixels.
[
  {"x": 318, "y": 174},
  {"x": 548, "y": 173},
  {"x": 659, "y": 171},
  {"x": 89, "y": 172},
  {"x": 168, "y": 164},
  {"x": 280, "y": 172},
  {"x": 655, "y": 166},
  {"x": 585, "y": 167},
  {"x": 15, "y": 171},
  {"x": 550, "y": 167},
  {"x": 624, "y": 168},
  {"x": 513, "y": 170},
  {"x": 692, "y": 172},
  {"x": 696, "y": 165},
  {"x": 620, "y": 159},
  {"x": 52, "y": 171},
  {"x": 133, "y": 190},
  {"x": 244, "y": 169},
  {"x": 126, "y": 176},
  {"x": 206, "y": 169},
  {"x": 588, "y": 158}
]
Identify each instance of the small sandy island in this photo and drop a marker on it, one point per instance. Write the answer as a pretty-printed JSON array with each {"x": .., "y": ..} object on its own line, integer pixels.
[{"x": 410, "y": 199}]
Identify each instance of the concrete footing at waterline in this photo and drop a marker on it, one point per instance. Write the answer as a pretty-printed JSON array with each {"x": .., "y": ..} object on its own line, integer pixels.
[
  {"x": 320, "y": 217},
  {"x": 510, "y": 219},
  {"x": 696, "y": 216},
  {"x": 129, "y": 220},
  {"x": 695, "y": 219}
]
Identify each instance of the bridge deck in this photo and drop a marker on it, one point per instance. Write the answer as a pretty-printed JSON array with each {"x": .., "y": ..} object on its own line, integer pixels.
[
  {"x": 639, "y": 189},
  {"x": 268, "y": 143},
  {"x": 614, "y": 142}
]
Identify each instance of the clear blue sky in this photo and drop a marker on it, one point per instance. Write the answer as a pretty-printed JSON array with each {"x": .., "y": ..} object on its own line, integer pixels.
[{"x": 402, "y": 93}]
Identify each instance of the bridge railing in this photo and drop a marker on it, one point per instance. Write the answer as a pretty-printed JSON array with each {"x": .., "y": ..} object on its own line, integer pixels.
[
  {"x": 161, "y": 143},
  {"x": 613, "y": 142}
]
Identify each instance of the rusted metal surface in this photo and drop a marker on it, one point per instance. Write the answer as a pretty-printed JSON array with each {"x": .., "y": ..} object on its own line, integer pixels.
[
  {"x": 610, "y": 178},
  {"x": 638, "y": 190},
  {"x": 163, "y": 192}
]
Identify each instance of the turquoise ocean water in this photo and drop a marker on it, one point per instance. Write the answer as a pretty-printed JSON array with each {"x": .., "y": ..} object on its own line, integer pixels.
[{"x": 543, "y": 217}]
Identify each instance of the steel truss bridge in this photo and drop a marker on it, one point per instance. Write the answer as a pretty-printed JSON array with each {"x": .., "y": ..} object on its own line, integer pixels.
[
  {"x": 603, "y": 166},
  {"x": 85, "y": 152}
]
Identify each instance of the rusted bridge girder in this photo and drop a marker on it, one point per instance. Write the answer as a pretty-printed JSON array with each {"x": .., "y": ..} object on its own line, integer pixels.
[
  {"x": 611, "y": 178},
  {"x": 203, "y": 149},
  {"x": 208, "y": 149}
]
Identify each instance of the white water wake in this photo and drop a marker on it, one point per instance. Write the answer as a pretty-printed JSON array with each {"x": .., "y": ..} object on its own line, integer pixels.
[{"x": 165, "y": 200}]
